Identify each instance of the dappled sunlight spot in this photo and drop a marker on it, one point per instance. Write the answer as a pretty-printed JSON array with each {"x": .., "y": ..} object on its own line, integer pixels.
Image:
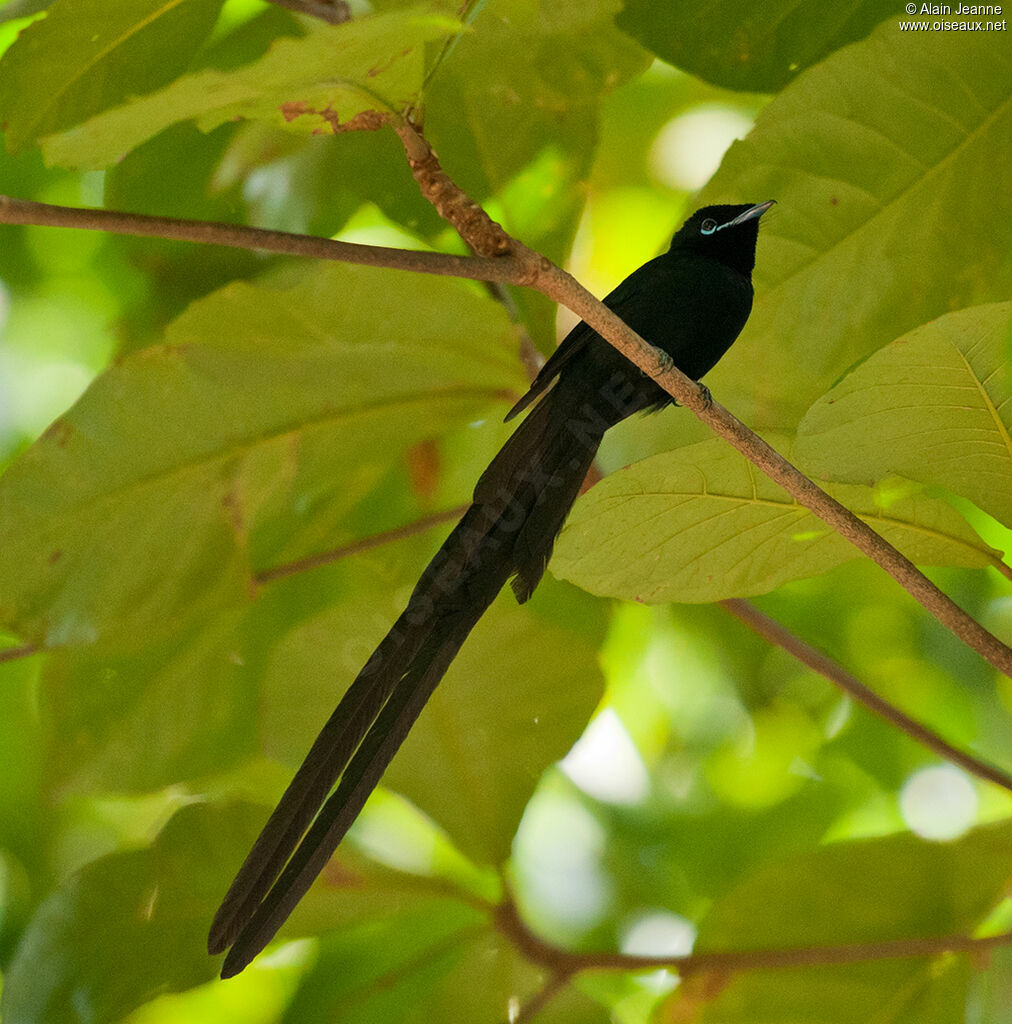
[
  {"x": 658, "y": 933},
  {"x": 620, "y": 229},
  {"x": 395, "y": 833},
  {"x": 558, "y": 853},
  {"x": 370, "y": 226},
  {"x": 389, "y": 830},
  {"x": 257, "y": 996},
  {"x": 296, "y": 953},
  {"x": 605, "y": 763},
  {"x": 689, "y": 148},
  {"x": 939, "y": 802},
  {"x": 768, "y": 762},
  {"x": 36, "y": 391}
]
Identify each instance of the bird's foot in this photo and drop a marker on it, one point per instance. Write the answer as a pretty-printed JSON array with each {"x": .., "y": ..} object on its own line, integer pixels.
[
  {"x": 665, "y": 362},
  {"x": 704, "y": 394}
]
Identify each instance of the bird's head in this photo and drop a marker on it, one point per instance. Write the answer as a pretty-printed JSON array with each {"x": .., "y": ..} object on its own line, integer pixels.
[{"x": 725, "y": 233}]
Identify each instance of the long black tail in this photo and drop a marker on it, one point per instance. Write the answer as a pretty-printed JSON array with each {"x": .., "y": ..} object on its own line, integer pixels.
[{"x": 519, "y": 506}]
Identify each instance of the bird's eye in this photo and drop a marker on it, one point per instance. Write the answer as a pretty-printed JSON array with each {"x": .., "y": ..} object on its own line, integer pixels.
[{"x": 708, "y": 226}]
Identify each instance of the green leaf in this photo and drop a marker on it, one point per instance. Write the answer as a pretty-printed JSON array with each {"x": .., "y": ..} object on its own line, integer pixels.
[
  {"x": 894, "y": 888},
  {"x": 919, "y": 991},
  {"x": 171, "y": 712},
  {"x": 139, "y": 511},
  {"x": 883, "y": 222},
  {"x": 750, "y": 47},
  {"x": 88, "y": 55},
  {"x": 526, "y": 78},
  {"x": 312, "y": 85},
  {"x": 934, "y": 406},
  {"x": 128, "y": 926},
  {"x": 701, "y": 524}
]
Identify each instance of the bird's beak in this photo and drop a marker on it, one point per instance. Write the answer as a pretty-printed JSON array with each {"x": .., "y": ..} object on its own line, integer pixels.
[{"x": 752, "y": 213}]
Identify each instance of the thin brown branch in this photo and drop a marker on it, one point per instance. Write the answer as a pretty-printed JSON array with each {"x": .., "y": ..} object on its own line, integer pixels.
[
  {"x": 236, "y": 236},
  {"x": 356, "y": 547},
  {"x": 540, "y": 999},
  {"x": 564, "y": 963},
  {"x": 472, "y": 223},
  {"x": 523, "y": 266},
  {"x": 334, "y": 12},
  {"x": 22, "y": 651},
  {"x": 779, "y": 635}
]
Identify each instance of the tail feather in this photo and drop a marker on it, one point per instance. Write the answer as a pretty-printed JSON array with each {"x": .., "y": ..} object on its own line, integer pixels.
[
  {"x": 520, "y": 503},
  {"x": 327, "y": 758},
  {"x": 358, "y": 781}
]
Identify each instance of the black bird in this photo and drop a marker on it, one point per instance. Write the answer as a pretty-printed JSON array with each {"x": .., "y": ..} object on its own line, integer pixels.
[{"x": 692, "y": 302}]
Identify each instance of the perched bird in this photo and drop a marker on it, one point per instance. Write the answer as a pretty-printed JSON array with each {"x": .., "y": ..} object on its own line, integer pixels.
[{"x": 691, "y": 302}]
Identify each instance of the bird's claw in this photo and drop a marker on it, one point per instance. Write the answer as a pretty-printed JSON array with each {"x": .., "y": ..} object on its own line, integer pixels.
[
  {"x": 664, "y": 361},
  {"x": 704, "y": 394}
]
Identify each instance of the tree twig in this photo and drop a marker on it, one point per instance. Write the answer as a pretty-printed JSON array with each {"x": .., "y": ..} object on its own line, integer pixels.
[
  {"x": 774, "y": 632},
  {"x": 522, "y": 266},
  {"x": 562, "y": 962},
  {"x": 551, "y": 988},
  {"x": 356, "y": 547},
  {"x": 334, "y": 12},
  {"x": 21, "y": 651}
]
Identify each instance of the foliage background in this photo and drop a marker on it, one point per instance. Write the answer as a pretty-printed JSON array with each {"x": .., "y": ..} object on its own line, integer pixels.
[{"x": 176, "y": 420}]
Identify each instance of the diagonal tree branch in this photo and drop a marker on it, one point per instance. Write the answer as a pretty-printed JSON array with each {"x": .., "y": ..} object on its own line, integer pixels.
[
  {"x": 775, "y": 633},
  {"x": 522, "y": 266}
]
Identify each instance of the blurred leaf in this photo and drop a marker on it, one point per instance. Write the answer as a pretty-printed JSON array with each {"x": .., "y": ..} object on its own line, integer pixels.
[
  {"x": 526, "y": 77},
  {"x": 86, "y": 56},
  {"x": 751, "y": 48},
  {"x": 899, "y": 887},
  {"x": 883, "y": 222},
  {"x": 915, "y": 991},
  {"x": 128, "y": 926},
  {"x": 307, "y": 85},
  {"x": 139, "y": 510},
  {"x": 12, "y": 9},
  {"x": 934, "y": 406},
  {"x": 701, "y": 523}
]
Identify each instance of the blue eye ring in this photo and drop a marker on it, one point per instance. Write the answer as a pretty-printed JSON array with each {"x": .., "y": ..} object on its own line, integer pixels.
[{"x": 708, "y": 226}]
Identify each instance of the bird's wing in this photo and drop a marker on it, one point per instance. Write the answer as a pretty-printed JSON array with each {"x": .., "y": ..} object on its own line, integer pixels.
[{"x": 580, "y": 336}]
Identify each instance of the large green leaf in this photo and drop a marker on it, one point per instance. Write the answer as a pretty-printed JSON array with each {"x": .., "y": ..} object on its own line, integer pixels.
[
  {"x": 898, "y": 887},
  {"x": 701, "y": 523},
  {"x": 85, "y": 56},
  {"x": 935, "y": 406},
  {"x": 885, "y": 221},
  {"x": 310, "y": 85},
  {"x": 142, "y": 508},
  {"x": 758, "y": 48},
  {"x": 526, "y": 77},
  {"x": 127, "y": 926}
]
